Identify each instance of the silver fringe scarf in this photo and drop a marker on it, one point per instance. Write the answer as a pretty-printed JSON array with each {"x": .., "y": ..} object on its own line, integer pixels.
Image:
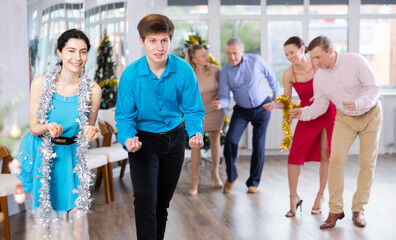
[{"x": 85, "y": 176}]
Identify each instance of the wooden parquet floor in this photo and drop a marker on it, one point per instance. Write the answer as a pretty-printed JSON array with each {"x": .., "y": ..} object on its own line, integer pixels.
[{"x": 213, "y": 215}]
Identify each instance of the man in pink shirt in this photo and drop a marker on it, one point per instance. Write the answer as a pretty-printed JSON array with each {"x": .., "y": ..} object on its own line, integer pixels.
[{"x": 348, "y": 81}]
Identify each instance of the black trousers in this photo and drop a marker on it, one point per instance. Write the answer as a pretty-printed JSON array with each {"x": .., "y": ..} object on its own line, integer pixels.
[{"x": 155, "y": 171}]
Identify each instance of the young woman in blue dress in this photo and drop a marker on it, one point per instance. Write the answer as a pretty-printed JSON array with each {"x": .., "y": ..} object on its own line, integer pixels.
[{"x": 62, "y": 112}]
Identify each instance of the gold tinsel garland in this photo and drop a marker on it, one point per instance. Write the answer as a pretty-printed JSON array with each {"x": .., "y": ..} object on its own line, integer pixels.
[{"x": 286, "y": 125}]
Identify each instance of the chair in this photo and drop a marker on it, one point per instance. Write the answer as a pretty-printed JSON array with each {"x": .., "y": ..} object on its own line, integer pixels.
[
  {"x": 114, "y": 152},
  {"x": 99, "y": 161},
  {"x": 8, "y": 184}
]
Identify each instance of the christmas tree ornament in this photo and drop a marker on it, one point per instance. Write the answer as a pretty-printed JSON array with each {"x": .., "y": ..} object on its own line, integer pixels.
[
  {"x": 19, "y": 196},
  {"x": 15, "y": 131}
]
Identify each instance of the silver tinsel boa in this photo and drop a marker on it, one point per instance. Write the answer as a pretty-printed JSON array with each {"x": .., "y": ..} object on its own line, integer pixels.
[{"x": 85, "y": 176}]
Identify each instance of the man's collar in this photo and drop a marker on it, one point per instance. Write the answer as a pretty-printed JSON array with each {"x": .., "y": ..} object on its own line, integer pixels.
[{"x": 144, "y": 69}]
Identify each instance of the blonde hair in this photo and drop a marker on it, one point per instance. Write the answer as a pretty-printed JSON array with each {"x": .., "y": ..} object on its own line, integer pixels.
[{"x": 190, "y": 54}]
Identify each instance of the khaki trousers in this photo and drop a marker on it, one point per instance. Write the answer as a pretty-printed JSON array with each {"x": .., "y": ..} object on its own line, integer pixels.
[{"x": 346, "y": 129}]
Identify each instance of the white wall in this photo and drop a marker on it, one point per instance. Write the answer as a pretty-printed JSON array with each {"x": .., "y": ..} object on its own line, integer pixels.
[{"x": 14, "y": 60}]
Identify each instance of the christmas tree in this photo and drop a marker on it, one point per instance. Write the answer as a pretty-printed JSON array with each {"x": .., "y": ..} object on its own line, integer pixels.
[{"x": 105, "y": 73}]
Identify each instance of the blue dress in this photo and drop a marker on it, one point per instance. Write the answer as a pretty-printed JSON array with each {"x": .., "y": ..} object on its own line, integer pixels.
[{"x": 63, "y": 181}]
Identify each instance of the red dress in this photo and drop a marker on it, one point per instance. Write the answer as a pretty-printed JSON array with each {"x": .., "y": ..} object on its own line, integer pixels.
[{"x": 306, "y": 140}]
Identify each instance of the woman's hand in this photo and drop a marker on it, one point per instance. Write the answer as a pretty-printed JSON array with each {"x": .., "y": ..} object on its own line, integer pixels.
[
  {"x": 133, "y": 144},
  {"x": 216, "y": 104},
  {"x": 91, "y": 132},
  {"x": 196, "y": 141},
  {"x": 55, "y": 129}
]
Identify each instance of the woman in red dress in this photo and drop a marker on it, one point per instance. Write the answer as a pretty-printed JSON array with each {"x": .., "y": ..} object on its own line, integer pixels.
[{"x": 311, "y": 141}]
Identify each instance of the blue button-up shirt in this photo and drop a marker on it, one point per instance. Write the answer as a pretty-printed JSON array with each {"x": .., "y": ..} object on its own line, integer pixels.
[
  {"x": 147, "y": 103},
  {"x": 246, "y": 82}
]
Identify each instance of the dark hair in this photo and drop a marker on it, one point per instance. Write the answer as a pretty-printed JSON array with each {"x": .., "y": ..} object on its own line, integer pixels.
[
  {"x": 72, "y": 33},
  {"x": 321, "y": 41},
  {"x": 155, "y": 23},
  {"x": 297, "y": 41}
]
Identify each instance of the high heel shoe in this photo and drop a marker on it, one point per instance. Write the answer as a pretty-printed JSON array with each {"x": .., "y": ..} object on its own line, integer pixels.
[
  {"x": 217, "y": 183},
  {"x": 290, "y": 213},
  {"x": 318, "y": 210},
  {"x": 194, "y": 186}
]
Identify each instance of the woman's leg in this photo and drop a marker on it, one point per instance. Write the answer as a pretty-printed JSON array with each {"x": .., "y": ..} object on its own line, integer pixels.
[
  {"x": 323, "y": 173},
  {"x": 80, "y": 224},
  {"x": 214, "y": 138},
  {"x": 195, "y": 161},
  {"x": 293, "y": 171}
]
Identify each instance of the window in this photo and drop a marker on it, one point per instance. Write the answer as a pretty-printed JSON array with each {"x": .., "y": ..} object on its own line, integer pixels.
[
  {"x": 377, "y": 44},
  {"x": 182, "y": 7},
  {"x": 238, "y": 7},
  {"x": 109, "y": 18},
  {"x": 54, "y": 21},
  {"x": 246, "y": 30},
  {"x": 378, "y": 7},
  {"x": 264, "y": 25},
  {"x": 278, "y": 33},
  {"x": 335, "y": 29},
  {"x": 283, "y": 7},
  {"x": 377, "y": 41},
  {"x": 328, "y": 7},
  {"x": 182, "y": 30}
]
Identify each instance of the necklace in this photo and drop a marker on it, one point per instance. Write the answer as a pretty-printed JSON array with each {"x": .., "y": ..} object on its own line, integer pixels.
[{"x": 85, "y": 176}]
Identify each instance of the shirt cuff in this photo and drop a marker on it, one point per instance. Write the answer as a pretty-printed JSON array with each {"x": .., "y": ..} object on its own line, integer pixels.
[{"x": 305, "y": 115}]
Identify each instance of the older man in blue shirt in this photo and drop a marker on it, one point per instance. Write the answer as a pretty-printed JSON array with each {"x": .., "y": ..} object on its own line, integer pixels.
[
  {"x": 243, "y": 75},
  {"x": 158, "y": 97}
]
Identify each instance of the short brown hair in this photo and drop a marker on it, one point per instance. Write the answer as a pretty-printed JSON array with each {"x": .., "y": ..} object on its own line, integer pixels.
[
  {"x": 155, "y": 23},
  {"x": 321, "y": 41}
]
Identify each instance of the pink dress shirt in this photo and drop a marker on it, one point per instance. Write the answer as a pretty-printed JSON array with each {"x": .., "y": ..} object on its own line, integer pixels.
[{"x": 351, "y": 79}]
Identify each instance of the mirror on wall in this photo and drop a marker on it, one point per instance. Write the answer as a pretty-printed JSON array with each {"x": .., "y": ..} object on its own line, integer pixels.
[{"x": 48, "y": 19}]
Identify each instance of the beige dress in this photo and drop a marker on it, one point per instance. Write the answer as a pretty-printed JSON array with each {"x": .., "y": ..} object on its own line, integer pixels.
[{"x": 209, "y": 88}]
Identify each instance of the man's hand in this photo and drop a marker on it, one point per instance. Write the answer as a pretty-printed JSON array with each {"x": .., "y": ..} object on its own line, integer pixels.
[
  {"x": 349, "y": 106},
  {"x": 91, "y": 133},
  {"x": 55, "y": 129},
  {"x": 196, "y": 141},
  {"x": 133, "y": 144},
  {"x": 216, "y": 104},
  {"x": 269, "y": 106},
  {"x": 295, "y": 113}
]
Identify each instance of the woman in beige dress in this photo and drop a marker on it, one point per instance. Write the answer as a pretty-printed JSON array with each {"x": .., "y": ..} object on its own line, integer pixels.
[{"x": 208, "y": 76}]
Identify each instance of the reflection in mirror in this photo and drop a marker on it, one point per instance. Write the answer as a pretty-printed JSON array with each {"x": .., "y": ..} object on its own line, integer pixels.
[{"x": 50, "y": 18}]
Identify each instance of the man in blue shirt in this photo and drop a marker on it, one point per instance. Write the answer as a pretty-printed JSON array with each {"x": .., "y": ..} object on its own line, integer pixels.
[
  {"x": 243, "y": 75},
  {"x": 158, "y": 97}
]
